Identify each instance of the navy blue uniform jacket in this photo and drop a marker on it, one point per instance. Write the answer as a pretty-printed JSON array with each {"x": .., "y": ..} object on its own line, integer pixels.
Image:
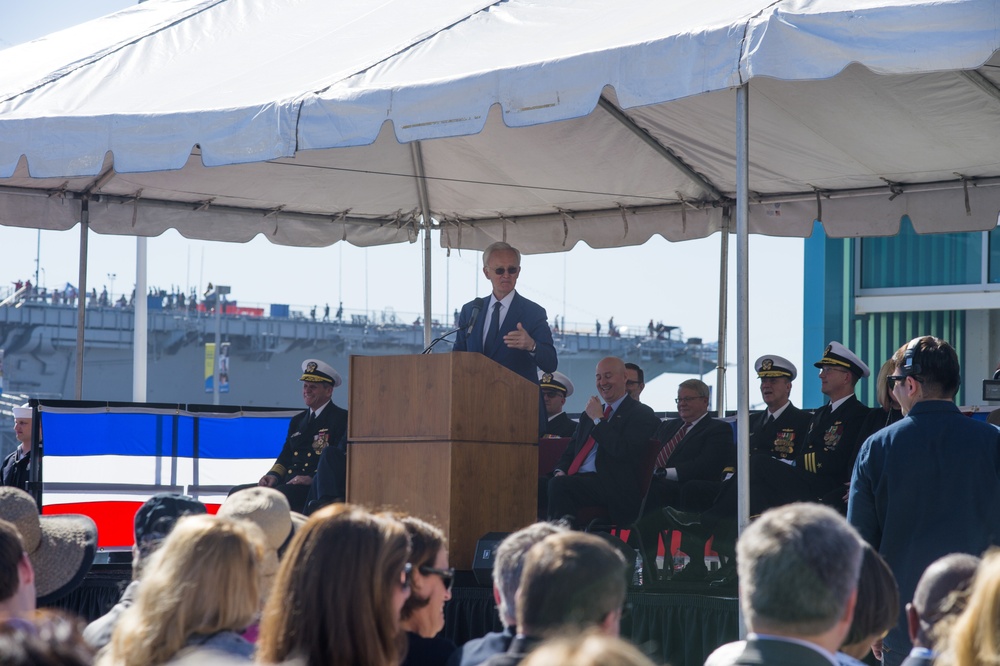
[{"x": 923, "y": 487}]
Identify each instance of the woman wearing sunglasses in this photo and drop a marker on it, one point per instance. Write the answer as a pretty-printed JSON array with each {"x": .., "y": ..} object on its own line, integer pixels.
[
  {"x": 431, "y": 578},
  {"x": 343, "y": 582}
]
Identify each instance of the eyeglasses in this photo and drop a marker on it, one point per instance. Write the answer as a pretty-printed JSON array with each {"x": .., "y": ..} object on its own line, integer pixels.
[
  {"x": 631, "y": 382},
  {"x": 404, "y": 576},
  {"x": 447, "y": 575},
  {"x": 687, "y": 400},
  {"x": 512, "y": 270}
]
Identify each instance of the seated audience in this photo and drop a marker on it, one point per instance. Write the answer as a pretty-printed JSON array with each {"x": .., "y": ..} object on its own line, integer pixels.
[
  {"x": 941, "y": 595},
  {"x": 153, "y": 522},
  {"x": 572, "y": 582},
  {"x": 268, "y": 509},
  {"x": 508, "y": 566},
  {"x": 17, "y": 577},
  {"x": 875, "y": 611},
  {"x": 874, "y": 614},
  {"x": 798, "y": 577},
  {"x": 974, "y": 639},
  {"x": 43, "y": 638},
  {"x": 199, "y": 590},
  {"x": 592, "y": 649},
  {"x": 61, "y": 547},
  {"x": 422, "y": 617},
  {"x": 343, "y": 582}
]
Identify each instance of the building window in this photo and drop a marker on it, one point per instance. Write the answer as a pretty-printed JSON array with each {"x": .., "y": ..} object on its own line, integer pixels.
[{"x": 910, "y": 259}]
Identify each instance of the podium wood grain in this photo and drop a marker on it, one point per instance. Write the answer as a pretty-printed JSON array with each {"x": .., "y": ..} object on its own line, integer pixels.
[{"x": 451, "y": 438}]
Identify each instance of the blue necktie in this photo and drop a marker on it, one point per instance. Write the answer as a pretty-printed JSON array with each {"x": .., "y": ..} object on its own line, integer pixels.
[{"x": 494, "y": 332}]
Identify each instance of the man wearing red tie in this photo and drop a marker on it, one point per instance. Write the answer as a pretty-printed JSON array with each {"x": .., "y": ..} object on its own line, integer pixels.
[{"x": 599, "y": 467}]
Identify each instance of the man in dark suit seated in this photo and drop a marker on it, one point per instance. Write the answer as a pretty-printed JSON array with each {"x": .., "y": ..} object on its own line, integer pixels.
[
  {"x": 321, "y": 427},
  {"x": 696, "y": 450},
  {"x": 799, "y": 568},
  {"x": 601, "y": 464},
  {"x": 556, "y": 387},
  {"x": 511, "y": 330}
]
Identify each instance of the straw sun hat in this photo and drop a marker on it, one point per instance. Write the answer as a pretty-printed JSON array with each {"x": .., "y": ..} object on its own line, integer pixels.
[
  {"x": 61, "y": 548},
  {"x": 269, "y": 510}
]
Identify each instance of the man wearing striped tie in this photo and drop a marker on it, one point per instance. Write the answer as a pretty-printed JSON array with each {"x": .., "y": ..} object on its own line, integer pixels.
[
  {"x": 697, "y": 448},
  {"x": 600, "y": 465}
]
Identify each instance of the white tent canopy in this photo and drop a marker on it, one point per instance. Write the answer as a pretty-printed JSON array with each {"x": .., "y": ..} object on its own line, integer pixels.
[{"x": 226, "y": 119}]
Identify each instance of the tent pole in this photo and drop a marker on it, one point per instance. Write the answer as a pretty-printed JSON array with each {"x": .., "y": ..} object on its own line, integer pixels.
[
  {"x": 742, "y": 309},
  {"x": 425, "y": 212},
  {"x": 720, "y": 368},
  {"x": 141, "y": 323},
  {"x": 81, "y": 292}
]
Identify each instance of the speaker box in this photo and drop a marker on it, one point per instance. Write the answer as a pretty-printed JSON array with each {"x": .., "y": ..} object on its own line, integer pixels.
[{"x": 486, "y": 551}]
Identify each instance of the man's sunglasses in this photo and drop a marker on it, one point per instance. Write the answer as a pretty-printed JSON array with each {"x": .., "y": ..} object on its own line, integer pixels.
[{"x": 512, "y": 270}]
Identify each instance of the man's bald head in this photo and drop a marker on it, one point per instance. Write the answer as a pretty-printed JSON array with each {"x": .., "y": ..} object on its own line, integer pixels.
[{"x": 941, "y": 592}]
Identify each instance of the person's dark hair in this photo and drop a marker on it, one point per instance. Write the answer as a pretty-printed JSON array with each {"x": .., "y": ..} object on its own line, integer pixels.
[
  {"x": 877, "y": 609},
  {"x": 333, "y": 600},
  {"x": 426, "y": 541},
  {"x": 45, "y": 638},
  {"x": 638, "y": 372},
  {"x": 11, "y": 552},
  {"x": 933, "y": 362},
  {"x": 571, "y": 581}
]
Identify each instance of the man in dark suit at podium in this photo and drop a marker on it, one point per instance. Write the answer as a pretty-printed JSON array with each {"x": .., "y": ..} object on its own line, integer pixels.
[
  {"x": 511, "y": 330},
  {"x": 600, "y": 465}
]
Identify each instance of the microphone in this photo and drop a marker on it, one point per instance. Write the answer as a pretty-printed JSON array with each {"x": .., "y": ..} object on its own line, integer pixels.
[{"x": 477, "y": 305}]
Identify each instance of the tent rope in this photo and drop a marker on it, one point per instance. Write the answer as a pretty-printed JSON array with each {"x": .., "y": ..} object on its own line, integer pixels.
[
  {"x": 135, "y": 206},
  {"x": 624, "y": 213},
  {"x": 563, "y": 213}
]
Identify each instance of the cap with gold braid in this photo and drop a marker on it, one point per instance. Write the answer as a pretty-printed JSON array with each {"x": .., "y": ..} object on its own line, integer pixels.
[
  {"x": 555, "y": 381},
  {"x": 775, "y": 366},
  {"x": 314, "y": 370},
  {"x": 840, "y": 356}
]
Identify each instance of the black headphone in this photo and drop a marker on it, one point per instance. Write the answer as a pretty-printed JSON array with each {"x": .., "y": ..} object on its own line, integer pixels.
[{"x": 910, "y": 366}]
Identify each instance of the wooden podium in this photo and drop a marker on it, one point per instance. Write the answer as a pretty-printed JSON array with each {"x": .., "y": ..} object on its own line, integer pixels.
[{"x": 451, "y": 438}]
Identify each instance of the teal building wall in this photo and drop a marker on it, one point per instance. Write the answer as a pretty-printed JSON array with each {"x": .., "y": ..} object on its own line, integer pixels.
[{"x": 905, "y": 260}]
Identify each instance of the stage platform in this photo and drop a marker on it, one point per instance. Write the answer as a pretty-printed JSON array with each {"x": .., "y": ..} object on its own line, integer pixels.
[{"x": 678, "y": 628}]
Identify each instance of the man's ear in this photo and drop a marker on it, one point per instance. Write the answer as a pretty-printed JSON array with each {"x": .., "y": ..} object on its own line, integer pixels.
[
  {"x": 26, "y": 573},
  {"x": 912, "y": 622},
  {"x": 611, "y": 624},
  {"x": 496, "y": 595}
]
